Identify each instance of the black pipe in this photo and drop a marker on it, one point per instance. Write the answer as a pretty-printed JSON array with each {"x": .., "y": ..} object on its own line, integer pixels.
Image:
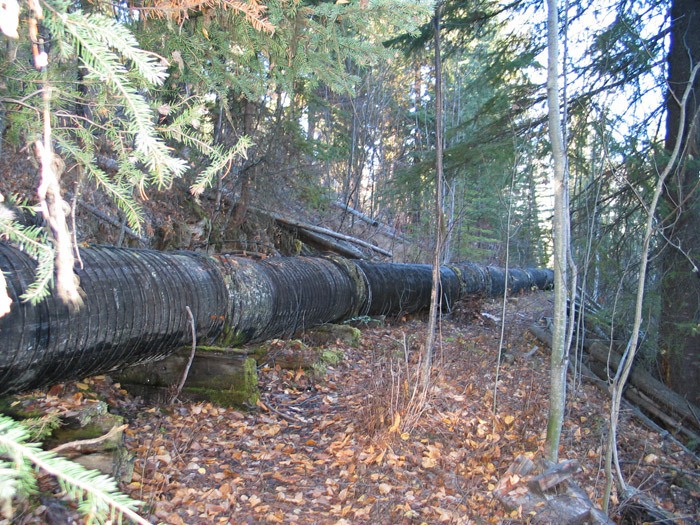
[
  {"x": 135, "y": 305},
  {"x": 134, "y": 310},
  {"x": 404, "y": 288},
  {"x": 279, "y": 296}
]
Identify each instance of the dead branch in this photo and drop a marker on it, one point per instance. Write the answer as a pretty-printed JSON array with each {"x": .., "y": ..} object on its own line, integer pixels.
[
  {"x": 88, "y": 442},
  {"x": 114, "y": 222},
  {"x": 186, "y": 372},
  {"x": 326, "y": 231}
]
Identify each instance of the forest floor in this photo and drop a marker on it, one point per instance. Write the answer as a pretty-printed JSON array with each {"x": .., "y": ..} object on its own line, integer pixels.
[{"x": 352, "y": 443}]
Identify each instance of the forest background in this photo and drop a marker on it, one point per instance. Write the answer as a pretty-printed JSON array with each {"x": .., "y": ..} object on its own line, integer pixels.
[{"x": 217, "y": 109}]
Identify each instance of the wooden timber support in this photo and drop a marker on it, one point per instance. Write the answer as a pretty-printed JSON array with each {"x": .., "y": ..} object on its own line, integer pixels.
[{"x": 136, "y": 305}]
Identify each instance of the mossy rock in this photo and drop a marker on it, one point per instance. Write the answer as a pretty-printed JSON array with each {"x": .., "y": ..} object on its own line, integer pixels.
[
  {"x": 327, "y": 357},
  {"x": 88, "y": 426},
  {"x": 295, "y": 354},
  {"x": 288, "y": 354}
]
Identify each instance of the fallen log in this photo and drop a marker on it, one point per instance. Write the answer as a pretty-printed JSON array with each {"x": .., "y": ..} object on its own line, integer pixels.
[
  {"x": 384, "y": 229},
  {"x": 355, "y": 213},
  {"x": 345, "y": 249},
  {"x": 658, "y": 400},
  {"x": 135, "y": 305},
  {"x": 649, "y": 406},
  {"x": 632, "y": 405},
  {"x": 652, "y": 387},
  {"x": 326, "y": 231}
]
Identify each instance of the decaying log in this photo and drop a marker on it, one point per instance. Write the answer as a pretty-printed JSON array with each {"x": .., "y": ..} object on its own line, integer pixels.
[
  {"x": 554, "y": 475},
  {"x": 384, "y": 229},
  {"x": 547, "y": 493},
  {"x": 648, "y": 405},
  {"x": 632, "y": 403},
  {"x": 326, "y": 231},
  {"x": 638, "y": 499},
  {"x": 658, "y": 400},
  {"x": 651, "y": 386},
  {"x": 344, "y": 249}
]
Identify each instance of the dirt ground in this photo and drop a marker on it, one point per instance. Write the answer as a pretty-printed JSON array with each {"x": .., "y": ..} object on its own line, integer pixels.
[{"x": 355, "y": 442}]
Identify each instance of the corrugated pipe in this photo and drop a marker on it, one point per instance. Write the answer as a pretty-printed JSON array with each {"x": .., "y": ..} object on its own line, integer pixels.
[{"x": 135, "y": 305}]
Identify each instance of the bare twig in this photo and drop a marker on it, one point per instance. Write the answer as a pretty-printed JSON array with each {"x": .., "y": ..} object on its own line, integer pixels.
[
  {"x": 625, "y": 367},
  {"x": 186, "y": 372},
  {"x": 268, "y": 406},
  {"x": 114, "y": 222}
]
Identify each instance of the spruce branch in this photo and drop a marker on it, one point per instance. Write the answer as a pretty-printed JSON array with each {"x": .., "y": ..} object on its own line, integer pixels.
[
  {"x": 120, "y": 191},
  {"x": 32, "y": 240},
  {"x": 180, "y": 10},
  {"x": 116, "y": 36},
  {"x": 106, "y": 66},
  {"x": 193, "y": 128},
  {"x": 97, "y": 494}
]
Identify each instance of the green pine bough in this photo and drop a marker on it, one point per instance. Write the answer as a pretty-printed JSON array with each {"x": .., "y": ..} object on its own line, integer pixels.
[
  {"x": 96, "y": 494},
  {"x": 115, "y": 72},
  {"x": 32, "y": 240}
]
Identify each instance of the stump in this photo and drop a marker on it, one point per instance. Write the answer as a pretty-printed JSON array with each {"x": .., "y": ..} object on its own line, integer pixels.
[{"x": 547, "y": 493}]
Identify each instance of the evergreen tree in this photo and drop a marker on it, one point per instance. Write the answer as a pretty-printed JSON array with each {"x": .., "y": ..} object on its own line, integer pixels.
[{"x": 680, "y": 218}]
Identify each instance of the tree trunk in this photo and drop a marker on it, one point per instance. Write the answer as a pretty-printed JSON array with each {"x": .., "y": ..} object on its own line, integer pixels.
[
  {"x": 439, "y": 236},
  {"x": 560, "y": 350},
  {"x": 680, "y": 318}
]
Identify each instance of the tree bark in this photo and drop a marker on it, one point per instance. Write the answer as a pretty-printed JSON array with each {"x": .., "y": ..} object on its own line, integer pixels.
[
  {"x": 560, "y": 350},
  {"x": 437, "y": 250},
  {"x": 680, "y": 317}
]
